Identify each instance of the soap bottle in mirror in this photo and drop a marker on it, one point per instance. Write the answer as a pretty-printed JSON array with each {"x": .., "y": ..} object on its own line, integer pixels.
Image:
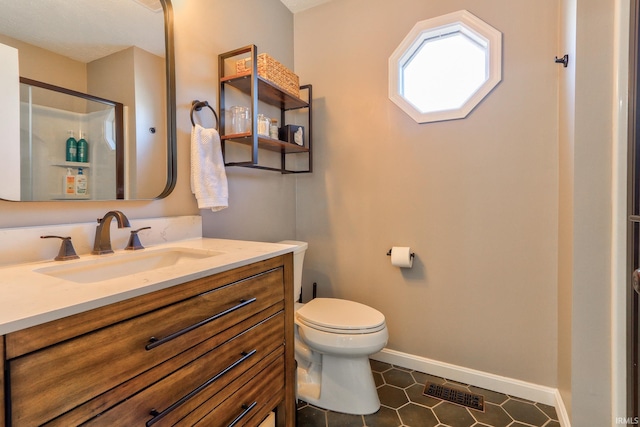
[
  {"x": 72, "y": 148},
  {"x": 69, "y": 183},
  {"x": 81, "y": 183},
  {"x": 83, "y": 149}
]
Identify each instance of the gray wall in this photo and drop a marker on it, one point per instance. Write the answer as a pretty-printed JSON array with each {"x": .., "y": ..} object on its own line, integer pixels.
[
  {"x": 261, "y": 204},
  {"x": 477, "y": 199}
]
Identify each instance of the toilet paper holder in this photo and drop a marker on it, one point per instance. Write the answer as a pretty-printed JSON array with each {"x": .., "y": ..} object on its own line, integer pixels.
[{"x": 412, "y": 254}]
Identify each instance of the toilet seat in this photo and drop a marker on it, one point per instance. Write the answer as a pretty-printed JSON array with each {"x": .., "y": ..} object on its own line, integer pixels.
[{"x": 340, "y": 316}]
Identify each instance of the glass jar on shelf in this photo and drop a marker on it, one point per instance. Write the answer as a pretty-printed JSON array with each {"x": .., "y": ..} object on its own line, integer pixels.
[
  {"x": 239, "y": 120},
  {"x": 263, "y": 125}
]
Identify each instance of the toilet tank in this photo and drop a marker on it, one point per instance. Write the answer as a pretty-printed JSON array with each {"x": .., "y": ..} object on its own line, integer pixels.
[{"x": 298, "y": 259}]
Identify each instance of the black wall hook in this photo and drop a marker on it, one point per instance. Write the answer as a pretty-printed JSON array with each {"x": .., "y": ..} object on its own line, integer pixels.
[{"x": 564, "y": 61}]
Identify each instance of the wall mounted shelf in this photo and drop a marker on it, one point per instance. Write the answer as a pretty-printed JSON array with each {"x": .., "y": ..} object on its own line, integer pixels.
[
  {"x": 258, "y": 89},
  {"x": 72, "y": 164},
  {"x": 267, "y": 92}
]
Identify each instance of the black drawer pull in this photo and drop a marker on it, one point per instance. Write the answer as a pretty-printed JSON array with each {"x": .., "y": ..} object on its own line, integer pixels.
[
  {"x": 245, "y": 412},
  {"x": 157, "y": 416},
  {"x": 155, "y": 342}
]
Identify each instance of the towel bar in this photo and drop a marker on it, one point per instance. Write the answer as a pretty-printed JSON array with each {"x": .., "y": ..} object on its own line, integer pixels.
[{"x": 197, "y": 106}]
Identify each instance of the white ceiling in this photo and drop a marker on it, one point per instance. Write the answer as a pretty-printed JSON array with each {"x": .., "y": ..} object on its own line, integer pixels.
[
  {"x": 300, "y": 5},
  {"x": 62, "y": 26}
]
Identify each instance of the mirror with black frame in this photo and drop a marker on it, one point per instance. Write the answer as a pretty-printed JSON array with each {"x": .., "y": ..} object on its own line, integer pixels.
[{"x": 96, "y": 98}]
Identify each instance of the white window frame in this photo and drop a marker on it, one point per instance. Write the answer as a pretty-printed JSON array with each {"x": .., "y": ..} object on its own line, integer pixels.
[{"x": 461, "y": 21}]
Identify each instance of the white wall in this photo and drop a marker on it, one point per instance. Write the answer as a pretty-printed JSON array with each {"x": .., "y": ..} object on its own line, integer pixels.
[
  {"x": 592, "y": 180},
  {"x": 585, "y": 284},
  {"x": 566, "y": 138},
  {"x": 43, "y": 174},
  {"x": 477, "y": 199}
]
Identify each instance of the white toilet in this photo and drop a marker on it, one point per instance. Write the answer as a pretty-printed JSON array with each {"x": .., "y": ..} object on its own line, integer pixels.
[{"x": 334, "y": 339}]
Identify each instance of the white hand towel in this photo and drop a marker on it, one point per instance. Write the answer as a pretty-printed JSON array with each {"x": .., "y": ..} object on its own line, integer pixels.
[{"x": 208, "y": 177}]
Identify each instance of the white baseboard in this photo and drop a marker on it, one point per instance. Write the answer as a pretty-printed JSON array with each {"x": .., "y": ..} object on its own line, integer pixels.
[
  {"x": 563, "y": 416},
  {"x": 513, "y": 387}
]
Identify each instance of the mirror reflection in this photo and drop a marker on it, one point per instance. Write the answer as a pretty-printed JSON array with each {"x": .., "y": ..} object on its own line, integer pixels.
[{"x": 97, "y": 73}]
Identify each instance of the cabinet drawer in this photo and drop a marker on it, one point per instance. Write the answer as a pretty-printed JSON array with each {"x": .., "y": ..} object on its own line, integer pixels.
[
  {"x": 249, "y": 404},
  {"x": 169, "y": 400},
  {"x": 94, "y": 363}
]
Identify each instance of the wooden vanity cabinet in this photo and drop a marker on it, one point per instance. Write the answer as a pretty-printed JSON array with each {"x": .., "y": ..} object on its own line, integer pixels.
[
  {"x": 2, "y": 421},
  {"x": 207, "y": 352}
]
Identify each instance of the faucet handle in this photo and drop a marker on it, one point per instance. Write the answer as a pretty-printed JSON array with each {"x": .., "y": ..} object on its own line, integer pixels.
[
  {"x": 134, "y": 241},
  {"x": 66, "y": 251}
]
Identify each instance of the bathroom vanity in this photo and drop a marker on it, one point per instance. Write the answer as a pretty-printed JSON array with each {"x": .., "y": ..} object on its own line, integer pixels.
[{"x": 207, "y": 341}]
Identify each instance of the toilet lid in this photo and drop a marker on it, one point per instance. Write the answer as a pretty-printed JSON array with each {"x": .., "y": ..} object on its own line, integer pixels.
[{"x": 331, "y": 314}]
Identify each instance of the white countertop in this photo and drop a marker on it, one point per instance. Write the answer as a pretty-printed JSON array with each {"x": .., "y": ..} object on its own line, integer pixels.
[{"x": 31, "y": 298}]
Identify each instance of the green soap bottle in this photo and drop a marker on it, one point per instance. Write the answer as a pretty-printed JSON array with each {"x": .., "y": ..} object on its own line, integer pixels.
[
  {"x": 83, "y": 149},
  {"x": 72, "y": 148}
]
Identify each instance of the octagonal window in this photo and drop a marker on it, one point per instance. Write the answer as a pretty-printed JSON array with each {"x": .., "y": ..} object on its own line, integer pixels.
[{"x": 444, "y": 67}]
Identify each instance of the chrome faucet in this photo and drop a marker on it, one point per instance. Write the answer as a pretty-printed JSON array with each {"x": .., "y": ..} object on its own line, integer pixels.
[{"x": 102, "y": 243}]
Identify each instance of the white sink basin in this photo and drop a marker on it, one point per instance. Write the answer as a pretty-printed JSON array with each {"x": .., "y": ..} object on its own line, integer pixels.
[{"x": 124, "y": 264}]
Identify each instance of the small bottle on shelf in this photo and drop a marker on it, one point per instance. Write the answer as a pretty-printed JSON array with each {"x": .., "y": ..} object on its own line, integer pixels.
[
  {"x": 83, "y": 149},
  {"x": 273, "y": 129},
  {"x": 69, "y": 183},
  {"x": 81, "y": 183},
  {"x": 72, "y": 148}
]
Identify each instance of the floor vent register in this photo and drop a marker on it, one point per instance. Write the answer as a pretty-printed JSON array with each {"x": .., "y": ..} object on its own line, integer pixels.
[{"x": 453, "y": 395}]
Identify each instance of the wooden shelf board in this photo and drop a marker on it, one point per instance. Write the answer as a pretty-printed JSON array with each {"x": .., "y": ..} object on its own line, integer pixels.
[
  {"x": 267, "y": 143},
  {"x": 267, "y": 91}
]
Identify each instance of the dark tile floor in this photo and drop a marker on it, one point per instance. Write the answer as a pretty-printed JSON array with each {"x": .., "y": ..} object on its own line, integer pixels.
[{"x": 403, "y": 404}]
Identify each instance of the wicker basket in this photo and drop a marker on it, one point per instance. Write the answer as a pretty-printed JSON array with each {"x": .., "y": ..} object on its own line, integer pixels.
[{"x": 273, "y": 71}]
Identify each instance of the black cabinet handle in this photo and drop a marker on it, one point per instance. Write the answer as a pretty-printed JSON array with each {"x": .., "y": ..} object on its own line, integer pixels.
[
  {"x": 157, "y": 415},
  {"x": 246, "y": 408},
  {"x": 156, "y": 342}
]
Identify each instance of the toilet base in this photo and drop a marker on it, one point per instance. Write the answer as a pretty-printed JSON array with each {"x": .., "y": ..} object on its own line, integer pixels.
[{"x": 346, "y": 386}]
